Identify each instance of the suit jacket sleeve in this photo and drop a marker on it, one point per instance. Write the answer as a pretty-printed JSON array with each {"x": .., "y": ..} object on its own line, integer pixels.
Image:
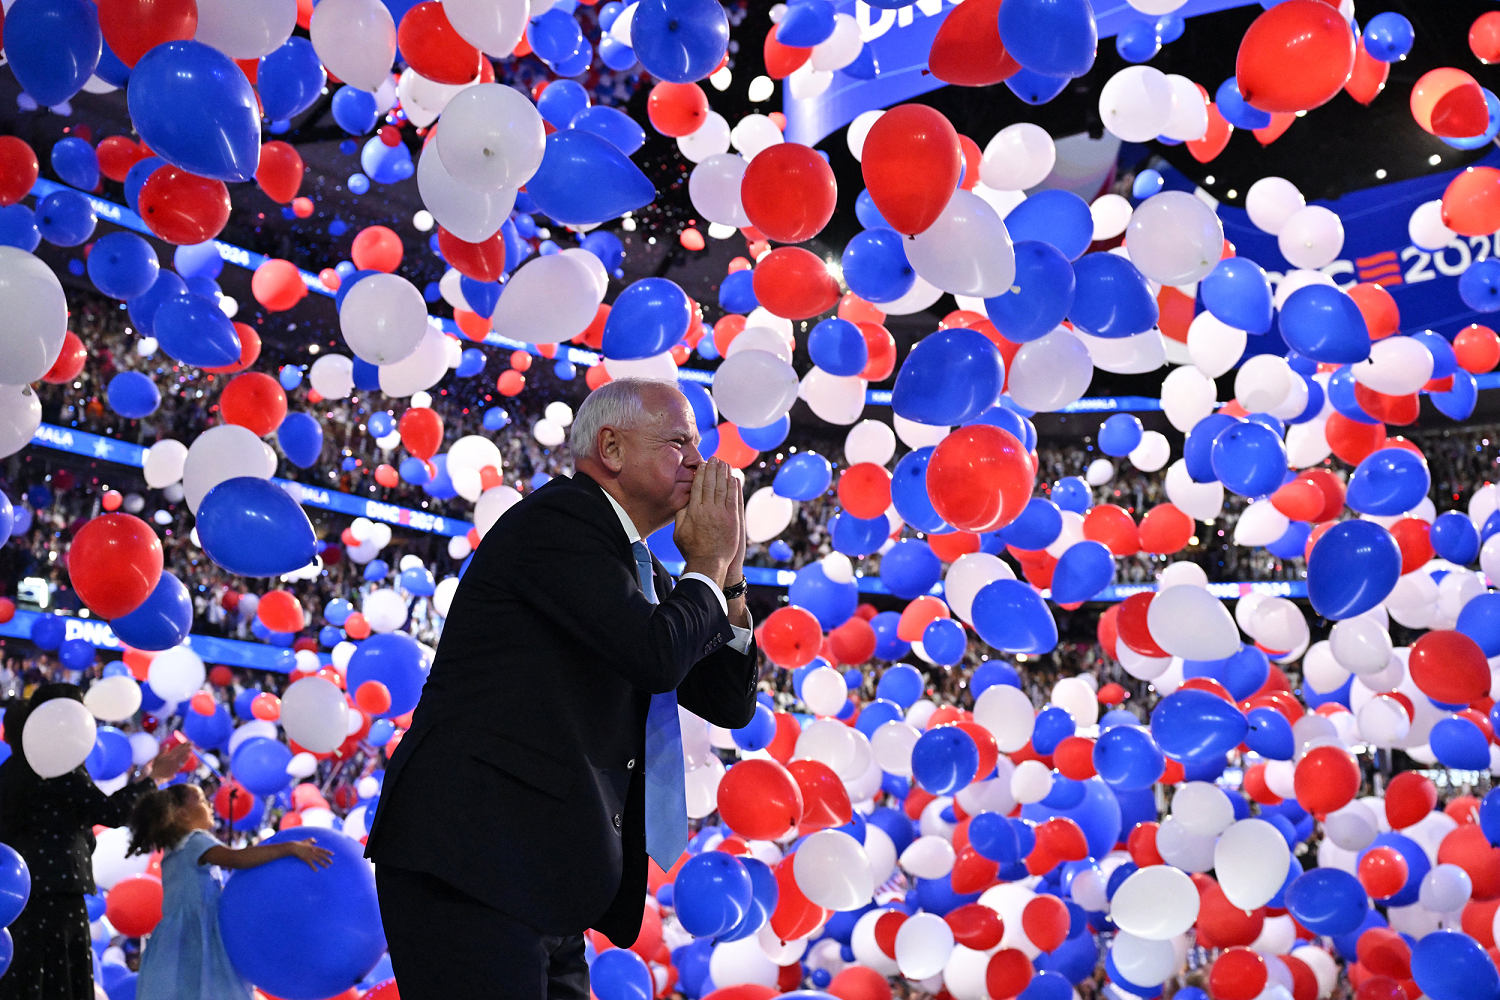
[{"x": 721, "y": 688}]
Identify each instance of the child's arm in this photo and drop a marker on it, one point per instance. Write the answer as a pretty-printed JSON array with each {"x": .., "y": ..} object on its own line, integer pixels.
[{"x": 260, "y": 854}]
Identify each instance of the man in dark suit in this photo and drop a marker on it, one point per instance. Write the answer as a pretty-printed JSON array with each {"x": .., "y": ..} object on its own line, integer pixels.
[{"x": 539, "y": 768}]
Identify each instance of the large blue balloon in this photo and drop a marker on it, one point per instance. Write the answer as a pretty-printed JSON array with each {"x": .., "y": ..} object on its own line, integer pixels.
[
  {"x": 290, "y": 79},
  {"x": 944, "y": 759},
  {"x": 1057, "y": 218},
  {"x": 1479, "y": 619},
  {"x": 122, "y": 265},
  {"x": 1451, "y": 965},
  {"x": 1037, "y": 527},
  {"x": 1388, "y": 481},
  {"x": 1197, "y": 724},
  {"x": 194, "y": 330},
  {"x": 1039, "y": 298},
  {"x": 76, "y": 163},
  {"x": 910, "y": 569},
  {"x": 1249, "y": 458},
  {"x": 15, "y": 884},
  {"x": 1327, "y": 901},
  {"x": 162, "y": 621},
  {"x": 1120, "y": 434},
  {"x": 1127, "y": 758},
  {"x": 585, "y": 180},
  {"x": 53, "y": 46},
  {"x": 1096, "y": 810},
  {"x": 858, "y": 537},
  {"x": 132, "y": 395},
  {"x": 712, "y": 893},
  {"x": 1459, "y": 744},
  {"x": 1086, "y": 568},
  {"x": 1323, "y": 323},
  {"x": 950, "y": 377},
  {"x": 303, "y": 932},
  {"x": 1352, "y": 568},
  {"x": 647, "y": 318},
  {"x": 837, "y": 346},
  {"x": 830, "y": 602},
  {"x": 195, "y": 108},
  {"x": 1238, "y": 294},
  {"x": 260, "y": 765},
  {"x": 395, "y": 660},
  {"x": 875, "y": 266},
  {"x": 909, "y": 492},
  {"x": 65, "y": 218},
  {"x": 1054, "y": 37},
  {"x": 1112, "y": 298},
  {"x": 680, "y": 40},
  {"x": 804, "y": 476},
  {"x": 301, "y": 439},
  {"x": 1012, "y": 617},
  {"x": 252, "y": 527}
]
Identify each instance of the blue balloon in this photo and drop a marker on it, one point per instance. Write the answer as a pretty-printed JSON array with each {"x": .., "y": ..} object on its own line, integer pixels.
[
  {"x": 1238, "y": 294},
  {"x": 1323, "y": 323},
  {"x": 395, "y": 660},
  {"x": 252, "y": 527},
  {"x": 1031, "y": 87},
  {"x": 858, "y": 537},
  {"x": 195, "y": 108},
  {"x": 1094, "y": 806},
  {"x": 1458, "y": 402},
  {"x": 1352, "y": 568},
  {"x": 737, "y": 292},
  {"x": 901, "y": 684},
  {"x": 1455, "y": 538},
  {"x": 609, "y": 123},
  {"x": 355, "y": 111},
  {"x": 381, "y": 423},
  {"x": 585, "y": 180},
  {"x": 1147, "y": 182},
  {"x": 212, "y": 731},
  {"x": 65, "y": 218},
  {"x": 945, "y": 642},
  {"x": 260, "y": 765},
  {"x": 950, "y": 377},
  {"x": 15, "y": 884},
  {"x": 1327, "y": 901},
  {"x": 1012, "y": 617},
  {"x": 122, "y": 265},
  {"x": 1242, "y": 673},
  {"x": 195, "y": 331},
  {"x": 705, "y": 414},
  {"x": 1127, "y": 758},
  {"x": 1112, "y": 298},
  {"x": 290, "y": 78},
  {"x": 1055, "y": 37},
  {"x": 132, "y": 395},
  {"x": 75, "y": 161},
  {"x": 1196, "y": 724},
  {"x": 1236, "y": 110},
  {"x": 876, "y": 268},
  {"x": 7, "y": 517},
  {"x": 1137, "y": 41},
  {"x": 1459, "y": 744},
  {"x": 1250, "y": 459},
  {"x": 561, "y": 102},
  {"x": 376, "y": 570},
  {"x": 1086, "y": 568},
  {"x": 554, "y": 36},
  {"x": 1057, "y": 218},
  {"x": 53, "y": 46},
  {"x": 1489, "y": 816},
  {"x": 866, "y": 213},
  {"x": 836, "y": 345},
  {"x": 1388, "y": 481},
  {"x": 712, "y": 893},
  {"x": 162, "y": 621},
  {"x": 615, "y": 54},
  {"x": 1451, "y": 965},
  {"x": 1073, "y": 493},
  {"x": 1479, "y": 619},
  {"x": 681, "y": 40},
  {"x": 481, "y": 296},
  {"x": 830, "y": 602},
  {"x": 1479, "y": 286},
  {"x": 909, "y": 568},
  {"x": 1388, "y": 36},
  {"x": 1270, "y": 734},
  {"x": 1444, "y": 361},
  {"x": 18, "y": 227},
  {"x": 1342, "y": 398},
  {"x": 143, "y": 308},
  {"x": 1039, "y": 298},
  {"x": 807, "y": 23},
  {"x": 1037, "y": 527},
  {"x": 1120, "y": 434},
  {"x": 385, "y": 164},
  {"x": 804, "y": 476},
  {"x": 111, "y": 756},
  {"x": 76, "y": 654},
  {"x": 944, "y": 759},
  {"x": 647, "y": 318},
  {"x": 299, "y": 931}
]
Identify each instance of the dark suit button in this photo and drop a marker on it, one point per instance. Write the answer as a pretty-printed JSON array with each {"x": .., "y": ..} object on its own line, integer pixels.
[
  {"x": 630, "y": 764},
  {"x": 617, "y": 821}
]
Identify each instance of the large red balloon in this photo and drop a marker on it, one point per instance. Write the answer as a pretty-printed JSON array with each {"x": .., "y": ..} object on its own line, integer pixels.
[
  {"x": 69, "y": 360},
  {"x": 1237, "y": 974},
  {"x": 794, "y": 283},
  {"x": 760, "y": 800},
  {"x": 789, "y": 192},
  {"x": 1165, "y": 529},
  {"x": 1295, "y": 56},
  {"x": 254, "y": 400},
  {"x": 1326, "y": 779},
  {"x": 967, "y": 51},
  {"x": 677, "y": 108},
  {"x": 280, "y": 171},
  {"x": 434, "y": 48},
  {"x": 421, "y": 430},
  {"x": 791, "y": 637},
  {"x": 183, "y": 208},
  {"x": 1046, "y": 921},
  {"x": 865, "y": 490},
  {"x": 1109, "y": 524},
  {"x": 911, "y": 164},
  {"x": 1477, "y": 348},
  {"x": 1008, "y": 972},
  {"x": 1449, "y": 103},
  {"x": 825, "y": 800},
  {"x": 1449, "y": 667},
  {"x": 134, "y": 904},
  {"x": 18, "y": 169},
  {"x": 114, "y": 563},
  {"x": 979, "y": 478},
  {"x": 1468, "y": 848},
  {"x": 482, "y": 261},
  {"x": 377, "y": 248},
  {"x": 1471, "y": 202},
  {"x": 133, "y": 27},
  {"x": 277, "y": 285}
]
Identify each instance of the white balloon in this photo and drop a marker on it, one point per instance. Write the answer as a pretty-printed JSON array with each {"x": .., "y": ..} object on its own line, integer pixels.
[
  {"x": 892, "y": 743},
  {"x": 163, "y": 464},
  {"x": 837, "y": 399},
  {"x": 384, "y": 610},
  {"x": 754, "y": 388},
  {"x": 915, "y": 435},
  {"x": 313, "y": 713},
  {"x": 35, "y": 315},
  {"x": 1157, "y": 903},
  {"x": 58, "y": 736},
  {"x": 767, "y": 515},
  {"x": 1143, "y": 961},
  {"x": 1050, "y": 372},
  {"x": 831, "y": 869},
  {"x": 1426, "y": 227},
  {"x": 221, "y": 453},
  {"x": 547, "y": 300},
  {"x": 710, "y": 138},
  {"x": 1260, "y": 524},
  {"x": 1200, "y": 501},
  {"x": 1192, "y": 623},
  {"x": 1262, "y": 382},
  {"x": 966, "y": 577},
  {"x": 922, "y": 295},
  {"x": 332, "y": 376},
  {"x": 492, "y": 26},
  {"x": 1446, "y": 888},
  {"x": 1187, "y": 396},
  {"x": 1152, "y": 453},
  {"x": 1397, "y": 366},
  {"x": 714, "y": 188},
  {"x": 471, "y": 213},
  {"x": 1251, "y": 859},
  {"x": 1136, "y": 103},
  {"x": 870, "y": 441},
  {"x": 491, "y": 137},
  {"x": 245, "y": 30},
  {"x": 923, "y": 944},
  {"x": 840, "y": 48},
  {"x": 1019, "y": 156},
  {"x": 176, "y": 674},
  {"x": 859, "y": 130},
  {"x": 356, "y": 39},
  {"x": 1202, "y": 808},
  {"x": 1311, "y": 237},
  {"x": 1134, "y": 355},
  {"x": 1189, "y": 117},
  {"x": 1030, "y": 782},
  {"x": 113, "y": 699},
  {"x": 1306, "y": 444},
  {"x": 1215, "y": 346},
  {"x": 740, "y": 962},
  {"x": 1352, "y": 827},
  {"x": 824, "y": 691},
  {"x": 492, "y": 503},
  {"x": 383, "y": 318},
  {"x": 422, "y": 369},
  {"x": 754, "y": 133},
  {"x": 1271, "y": 201},
  {"x": 1111, "y": 214},
  {"x": 1099, "y": 472},
  {"x": 1361, "y": 645},
  {"x": 1174, "y": 237},
  {"x": 111, "y": 863},
  {"x": 967, "y": 251}
]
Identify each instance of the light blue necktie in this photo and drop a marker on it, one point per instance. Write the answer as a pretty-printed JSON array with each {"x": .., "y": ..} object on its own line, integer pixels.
[{"x": 666, "y": 795}]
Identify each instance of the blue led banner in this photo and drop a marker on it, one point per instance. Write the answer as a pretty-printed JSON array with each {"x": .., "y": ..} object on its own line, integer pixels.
[{"x": 230, "y": 652}]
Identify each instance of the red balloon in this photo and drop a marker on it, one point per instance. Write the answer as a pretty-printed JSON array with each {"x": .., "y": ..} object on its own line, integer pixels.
[
  {"x": 1333, "y": 492},
  {"x": 1477, "y": 348},
  {"x": 377, "y": 248},
  {"x": 387, "y": 476},
  {"x": 1074, "y": 758},
  {"x": 975, "y": 926},
  {"x": 1382, "y": 316},
  {"x": 783, "y": 60},
  {"x": 254, "y": 400},
  {"x": 373, "y": 697},
  {"x": 911, "y": 165},
  {"x": 865, "y": 490},
  {"x": 482, "y": 261},
  {"x": 1214, "y": 140},
  {"x": 202, "y": 703},
  {"x": 1449, "y": 667},
  {"x": 134, "y": 904},
  {"x": 760, "y": 800},
  {"x": 1304, "y": 981},
  {"x": 1384, "y": 952},
  {"x": 117, "y": 154},
  {"x": 249, "y": 350},
  {"x": 1468, "y": 848},
  {"x": 880, "y": 352},
  {"x": 133, "y": 27},
  {"x": 1471, "y": 202},
  {"x": 1237, "y": 974},
  {"x": 1141, "y": 844},
  {"x": 794, "y": 283},
  {"x": 979, "y": 478},
  {"x": 1398, "y": 410},
  {"x": 1132, "y": 628},
  {"x": 852, "y": 642},
  {"x": 1299, "y": 500},
  {"x": 280, "y": 171},
  {"x": 1062, "y": 838},
  {"x": 266, "y": 706},
  {"x": 967, "y": 50},
  {"x": 1380, "y": 988},
  {"x": 1326, "y": 779},
  {"x": 421, "y": 430},
  {"x": 1108, "y": 523},
  {"x": 1484, "y": 37},
  {"x": 1383, "y": 872},
  {"x": 280, "y": 611},
  {"x": 510, "y": 383},
  {"x": 825, "y": 800},
  {"x": 114, "y": 563},
  {"x": 795, "y": 915},
  {"x": 789, "y": 192},
  {"x": 1165, "y": 529},
  {"x": 1368, "y": 78},
  {"x": 19, "y": 169},
  {"x": 432, "y": 47},
  {"x": 1046, "y": 921},
  {"x": 1351, "y": 440},
  {"x": 183, "y": 208},
  {"x": 1449, "y": 103},
  {"x": 1008, "y": 972},
  {"x": 791, "y": 637},
  {"x": 1414, "y": 537},
  {"x": 1295, "y": 56},
  {"x": 677, "y": 108},
  {"x": 233, "y": 800},
  {"x": 277, "y": 285},
  {"x": 1221, "y": 924},
  {"x": 69, "y": 360}
]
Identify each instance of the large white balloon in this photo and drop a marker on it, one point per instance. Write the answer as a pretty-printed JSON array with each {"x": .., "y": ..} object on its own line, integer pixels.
[
  {"x": 1397, "y": 366},
  {"x": 356, "y": 39},
  {"x": 1187, "y": 396},
  {"x": 493, "y": 26},
  {"x": 220, "y": 453},
  {"x": 547, "y": 300},
  {"x": 163, "y": 465},
  {"x": 754, "y": 388},
  {"x": 967, "y": 251},
  {"x": 383, "y": 318},
  {"x": 1190, "y": 622},
  {"x": 1174, "y": 237},
  {"x": 1018, "y": 157},
  {"x": 923, "y": 944},
  {"x": 491, "y": 137},
  {"x": 1214, "y": 345},
  {"x": 313, "y": 713},
  {"x": 1050, "y": 372},
  {"x": 831, "y": 869},
  {"x": 1311, "y": 237},
  {"x": 176, "y": 674},
  {"x": 838, "y": 399},
  {"x": 1251, "y": 859},
  {"x": 245, "y": 30},
  {"x": 113, "y": 699},
  {"x": 58, "y": 736},
  {"x": 1136, "y": 103},
  {"x": 1157, "y": 903},
  {"x": 35, "y": 317},
  {"x": 471, "y": 213},
  {"x": 714, "y": 188},
  {"x": 1271, "y": 201}
]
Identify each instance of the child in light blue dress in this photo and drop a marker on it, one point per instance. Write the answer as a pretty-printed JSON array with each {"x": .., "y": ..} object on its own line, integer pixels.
[{"x": 184, "y": 958}]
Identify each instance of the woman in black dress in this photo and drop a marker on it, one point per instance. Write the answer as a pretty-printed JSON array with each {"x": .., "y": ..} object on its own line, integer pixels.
[{"x": 49, "y": 822}]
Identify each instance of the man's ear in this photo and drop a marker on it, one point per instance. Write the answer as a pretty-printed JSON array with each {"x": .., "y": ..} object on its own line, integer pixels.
[{"x": 611, "y": 449}]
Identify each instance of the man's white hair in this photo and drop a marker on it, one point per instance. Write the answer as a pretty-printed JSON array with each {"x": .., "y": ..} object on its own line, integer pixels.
[{"x": 619, "y": 403}]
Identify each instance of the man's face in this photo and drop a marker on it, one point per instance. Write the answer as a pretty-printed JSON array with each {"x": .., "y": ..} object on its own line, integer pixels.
[{"x": 660, "y": 456}]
